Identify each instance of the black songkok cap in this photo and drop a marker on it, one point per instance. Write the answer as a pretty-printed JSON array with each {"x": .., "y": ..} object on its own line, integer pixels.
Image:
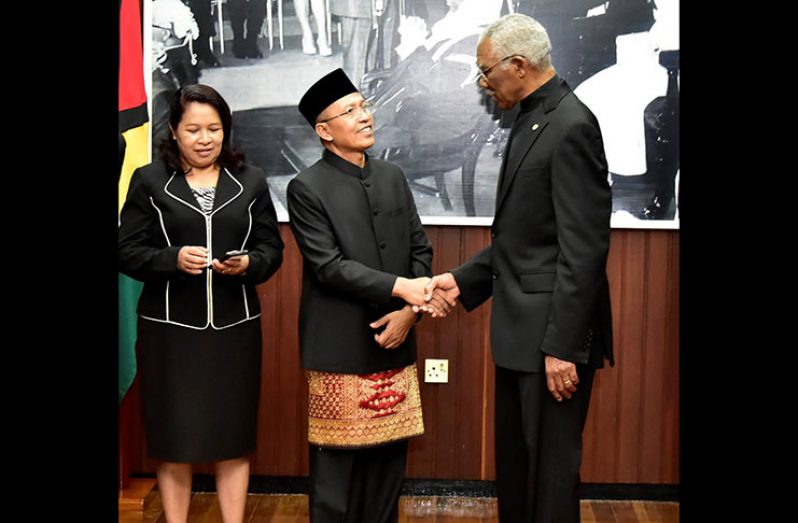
[{"x": 330, "y": 88}]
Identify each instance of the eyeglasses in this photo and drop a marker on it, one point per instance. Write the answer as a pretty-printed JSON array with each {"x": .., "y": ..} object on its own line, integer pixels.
[
  {"x": 352, "y": 112},
  {"x": 483, "y": 73}
]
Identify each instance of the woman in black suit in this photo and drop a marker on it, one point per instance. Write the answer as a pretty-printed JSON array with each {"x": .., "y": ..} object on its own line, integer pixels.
[{"x": 199, "y": 332}]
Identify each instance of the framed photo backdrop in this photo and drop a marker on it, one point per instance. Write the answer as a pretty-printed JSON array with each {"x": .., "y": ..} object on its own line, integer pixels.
[{"x": 415, "y": 59}]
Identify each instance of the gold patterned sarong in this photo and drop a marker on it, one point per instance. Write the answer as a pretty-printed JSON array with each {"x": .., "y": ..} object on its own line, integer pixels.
[{"x": 363, "y": 410}]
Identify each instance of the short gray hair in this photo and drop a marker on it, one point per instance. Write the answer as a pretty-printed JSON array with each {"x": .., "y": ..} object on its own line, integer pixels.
[{"x": 522, "y": 35}]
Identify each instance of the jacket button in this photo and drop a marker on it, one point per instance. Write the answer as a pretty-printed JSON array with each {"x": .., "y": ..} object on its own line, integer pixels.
[
  {"x": 493, "y": 234},
  {"x": 495, "y": 275},
  {"x": 367, "y": 184},
  {"x": 375, "y": 212},
  {"x": 382, "y": 245}
]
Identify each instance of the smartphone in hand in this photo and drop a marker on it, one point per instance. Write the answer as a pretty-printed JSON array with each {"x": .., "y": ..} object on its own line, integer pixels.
[{"x": 231, "y": 254}]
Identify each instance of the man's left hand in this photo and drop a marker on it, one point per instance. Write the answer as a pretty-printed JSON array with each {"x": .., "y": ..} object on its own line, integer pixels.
[{"x": 397, "y": 325}]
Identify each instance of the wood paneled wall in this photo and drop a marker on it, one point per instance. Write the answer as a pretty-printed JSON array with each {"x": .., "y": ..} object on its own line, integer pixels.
[{"x": 632, "y": 431}]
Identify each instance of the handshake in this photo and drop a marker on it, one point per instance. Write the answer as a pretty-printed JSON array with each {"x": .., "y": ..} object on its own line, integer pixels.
[{"x": 436, "y": 296}]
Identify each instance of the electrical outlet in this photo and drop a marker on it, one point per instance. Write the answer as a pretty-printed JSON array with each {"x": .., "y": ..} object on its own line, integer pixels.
[{"x": 436, "y": 371}]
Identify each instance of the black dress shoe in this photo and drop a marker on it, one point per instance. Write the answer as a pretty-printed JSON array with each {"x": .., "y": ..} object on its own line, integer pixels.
[
  {"x": 210, "y": 61},
  {"x": 238, "y": 50},
  {"x": 253, "y": 51}
]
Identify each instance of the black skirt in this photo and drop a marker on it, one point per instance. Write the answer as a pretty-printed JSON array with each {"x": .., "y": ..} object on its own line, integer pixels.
[{"x": 200, "y": 390}]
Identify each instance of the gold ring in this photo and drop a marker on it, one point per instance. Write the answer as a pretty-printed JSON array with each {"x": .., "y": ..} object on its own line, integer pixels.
[{"x": 567, "y": 382}]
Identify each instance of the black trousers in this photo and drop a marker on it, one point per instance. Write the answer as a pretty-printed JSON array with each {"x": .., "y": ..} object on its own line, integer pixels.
[
  {"x": 356, "y": 486},
  {"x": 246, "y": 13},
  {"x": 538, "y": 447},
  {"x": 201, "y": 9}
]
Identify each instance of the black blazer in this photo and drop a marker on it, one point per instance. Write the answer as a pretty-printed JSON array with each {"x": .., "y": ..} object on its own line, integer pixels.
[
  {"x": 357, "y": 231},
  {"x": 546, "y": 266},
  {"x": 161, "y": 215}
]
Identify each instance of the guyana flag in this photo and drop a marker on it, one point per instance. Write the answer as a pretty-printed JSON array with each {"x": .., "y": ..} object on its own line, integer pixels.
[{"x": 134, "y": 147}]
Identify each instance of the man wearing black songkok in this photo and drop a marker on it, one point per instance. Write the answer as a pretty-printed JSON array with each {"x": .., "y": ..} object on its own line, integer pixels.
[{"x": 366, "y": 261}]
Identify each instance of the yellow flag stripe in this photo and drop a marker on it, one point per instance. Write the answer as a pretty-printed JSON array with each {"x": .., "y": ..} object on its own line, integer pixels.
[{"x": 137, "y": 149}]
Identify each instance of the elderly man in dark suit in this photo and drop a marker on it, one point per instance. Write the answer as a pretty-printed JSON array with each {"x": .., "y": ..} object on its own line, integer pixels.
[
  {"x": 366, "y": 259},
  {"x": 546, "y": 271}
]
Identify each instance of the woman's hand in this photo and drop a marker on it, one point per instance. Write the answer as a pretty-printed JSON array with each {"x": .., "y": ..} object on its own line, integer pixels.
[
  {"x": 192, "y": 259},
  {"x": 232, "y": 266}
]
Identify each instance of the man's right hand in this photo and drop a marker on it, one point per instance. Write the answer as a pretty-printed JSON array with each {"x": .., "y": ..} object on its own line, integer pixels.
[
  {"x": 442, "y": 287},
  {"x": 412, "y": 291}
]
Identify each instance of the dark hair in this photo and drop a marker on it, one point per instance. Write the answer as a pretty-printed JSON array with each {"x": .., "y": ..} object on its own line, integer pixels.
[{"x": 168, "y": 151}]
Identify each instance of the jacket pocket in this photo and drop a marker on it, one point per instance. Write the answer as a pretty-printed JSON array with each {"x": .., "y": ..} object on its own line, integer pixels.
[{"x": 538, "y": 281}]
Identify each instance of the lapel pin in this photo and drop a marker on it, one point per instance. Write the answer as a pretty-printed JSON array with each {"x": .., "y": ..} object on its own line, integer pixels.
[{"x": 535, "y": 127}]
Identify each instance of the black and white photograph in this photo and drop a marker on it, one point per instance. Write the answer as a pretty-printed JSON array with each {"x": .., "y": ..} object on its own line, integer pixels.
[{"x": 415, "y": 61}]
